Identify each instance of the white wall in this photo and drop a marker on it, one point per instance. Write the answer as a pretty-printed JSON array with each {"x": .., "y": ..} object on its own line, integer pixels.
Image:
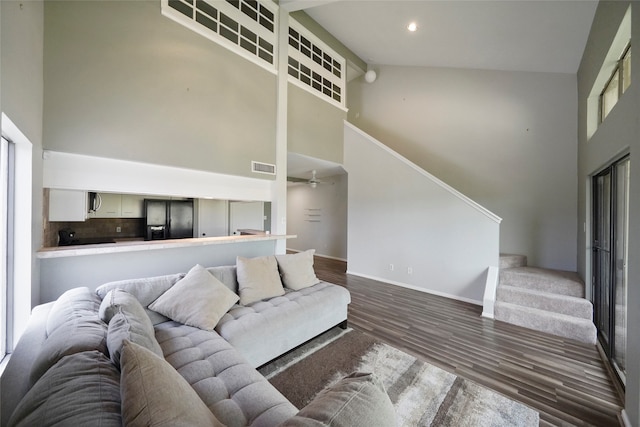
[
  {"x": 506, "y": 139},
  {"x": 399, "y": 215},
  {"x": 318, "y": 216}
]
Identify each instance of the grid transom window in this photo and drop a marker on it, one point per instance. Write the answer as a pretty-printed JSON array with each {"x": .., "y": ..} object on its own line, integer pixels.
[
  {"x": 244, "y": 26},
  {"x": 315, "y": 65}
]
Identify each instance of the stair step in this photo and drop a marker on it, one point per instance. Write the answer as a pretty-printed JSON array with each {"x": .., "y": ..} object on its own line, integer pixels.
[
  {"x": 561, "y": 325},
  {"x": 512, "y": 261},
  {"x": 562, "y": 304},
  {"x": 544, "y": 280}
]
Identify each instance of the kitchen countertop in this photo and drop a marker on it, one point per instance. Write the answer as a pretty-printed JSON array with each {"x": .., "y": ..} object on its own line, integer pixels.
[{"x": 136, "y": 245}]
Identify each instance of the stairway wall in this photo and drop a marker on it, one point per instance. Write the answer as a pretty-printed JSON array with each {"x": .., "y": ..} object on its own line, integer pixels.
[
  {"x": 437, "y": 240},
  {"x": 506, "y": 139}
]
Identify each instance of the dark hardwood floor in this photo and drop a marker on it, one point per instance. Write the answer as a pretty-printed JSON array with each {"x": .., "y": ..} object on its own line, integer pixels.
[{"x": 564, "y": 380}]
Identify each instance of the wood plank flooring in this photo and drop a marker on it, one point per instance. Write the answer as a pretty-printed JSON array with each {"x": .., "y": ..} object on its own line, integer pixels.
[{"x": 564, "y": 380}]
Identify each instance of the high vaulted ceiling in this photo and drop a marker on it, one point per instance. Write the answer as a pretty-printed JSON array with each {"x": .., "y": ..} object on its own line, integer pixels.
[{"x": 514, "y": 35}]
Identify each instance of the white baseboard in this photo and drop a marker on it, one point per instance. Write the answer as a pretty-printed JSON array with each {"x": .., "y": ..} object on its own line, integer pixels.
[
  {"x": 625, "y": 418},
  {"x": 320, "y": 255},
  {"x": 417, "y": 288}
]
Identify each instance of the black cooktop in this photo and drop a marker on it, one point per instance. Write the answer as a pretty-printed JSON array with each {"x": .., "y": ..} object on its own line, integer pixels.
[{"x": 87, "y": 241}]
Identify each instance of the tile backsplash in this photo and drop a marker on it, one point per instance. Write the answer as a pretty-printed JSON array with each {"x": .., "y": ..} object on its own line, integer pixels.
[{"x": 130, "y": 228}]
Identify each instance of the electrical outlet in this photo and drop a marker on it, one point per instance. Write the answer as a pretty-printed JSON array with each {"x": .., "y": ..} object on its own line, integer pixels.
[
  {"x": 410, "y": 270},
  {"x": 118, "y": 229},
  {"x": 391, "y": 267}
]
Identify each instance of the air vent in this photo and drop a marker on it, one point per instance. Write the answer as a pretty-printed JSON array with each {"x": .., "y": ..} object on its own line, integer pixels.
[{"x": 266, "y": 168}]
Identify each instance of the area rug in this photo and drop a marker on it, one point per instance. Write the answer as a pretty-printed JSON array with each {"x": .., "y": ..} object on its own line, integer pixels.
[{"x": 422, "y": 394}]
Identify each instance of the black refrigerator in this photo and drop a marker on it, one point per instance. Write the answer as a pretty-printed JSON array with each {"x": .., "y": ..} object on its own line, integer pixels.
[{"x": 168, "y": 219}]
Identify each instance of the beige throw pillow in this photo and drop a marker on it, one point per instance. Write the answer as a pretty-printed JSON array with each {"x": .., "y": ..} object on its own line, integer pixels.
[
  {"x": 199, "y": 300},
  {"x": 258, "y": 279},
  {"x": 154, "y": 394},
  {"x": 297, "y": 269}
]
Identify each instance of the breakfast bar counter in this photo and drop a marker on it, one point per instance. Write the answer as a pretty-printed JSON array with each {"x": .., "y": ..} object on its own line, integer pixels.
[{"x": 136, "y": 245}]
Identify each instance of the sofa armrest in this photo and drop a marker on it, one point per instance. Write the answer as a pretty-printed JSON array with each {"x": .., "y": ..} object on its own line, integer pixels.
[{"x": 15, "y": 381}]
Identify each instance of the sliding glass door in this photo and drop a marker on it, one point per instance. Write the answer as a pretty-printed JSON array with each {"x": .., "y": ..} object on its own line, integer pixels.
[{"x": 610, "y": 260}]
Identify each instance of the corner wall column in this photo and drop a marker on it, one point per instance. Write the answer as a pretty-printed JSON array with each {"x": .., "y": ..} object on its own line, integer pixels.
[{"x": 279, "y": 202}]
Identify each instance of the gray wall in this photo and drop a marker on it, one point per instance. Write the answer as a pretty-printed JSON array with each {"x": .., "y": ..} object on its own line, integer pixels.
[
  {"x": 505, "y": 139},
  {"x": 326, "y": 233},
  {"x": 620, "y": 133},
  {"x": 314, "y": 127},
  {"x": 436, "y": 241},
  {"x": 22, "y": 99},
  {"x": 122, "y": 81}
]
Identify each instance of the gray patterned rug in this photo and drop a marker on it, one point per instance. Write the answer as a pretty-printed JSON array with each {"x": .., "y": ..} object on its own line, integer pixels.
[{"x": 422, "y": 394}]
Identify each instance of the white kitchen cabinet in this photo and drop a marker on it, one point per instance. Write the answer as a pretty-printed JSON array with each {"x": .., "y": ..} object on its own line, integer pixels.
[
  {"x": 132, "y": 206},
  {"x": 67, "y": 205}
]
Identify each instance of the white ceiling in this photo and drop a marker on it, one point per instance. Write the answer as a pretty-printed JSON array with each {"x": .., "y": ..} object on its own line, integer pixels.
[
  {"x": 300, "y": 166},
  {"x": 514, "y": 35}
]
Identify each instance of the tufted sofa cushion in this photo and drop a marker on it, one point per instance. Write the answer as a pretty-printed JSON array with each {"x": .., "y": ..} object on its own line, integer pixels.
[
  {"x": 235, "y": 392},
  {"x": 266, "y": 329}
]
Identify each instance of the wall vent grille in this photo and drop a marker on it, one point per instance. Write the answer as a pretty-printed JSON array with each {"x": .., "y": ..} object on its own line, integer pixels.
[
  {"x": 246, "y": 27},
  {"x": 265, "y": 168}
]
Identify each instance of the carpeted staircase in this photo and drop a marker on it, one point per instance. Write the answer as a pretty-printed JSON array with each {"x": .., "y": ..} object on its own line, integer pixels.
[{"x": 550, "y": 301}]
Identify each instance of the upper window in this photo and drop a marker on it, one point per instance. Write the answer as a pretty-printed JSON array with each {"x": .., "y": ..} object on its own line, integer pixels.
[
  {"x": 314, "y": 66},
  {"x": 249, "y": 28},
  {"x": 245, "y": 27},
  {"x": 613, "y": 79},
  {"x": 618, "y": 83}
]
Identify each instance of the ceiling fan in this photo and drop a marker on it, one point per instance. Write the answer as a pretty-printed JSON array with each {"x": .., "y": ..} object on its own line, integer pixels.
[{"x": 313, "y": 182}]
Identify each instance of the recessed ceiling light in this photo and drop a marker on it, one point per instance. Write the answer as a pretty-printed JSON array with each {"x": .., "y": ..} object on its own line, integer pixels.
[{"x": 412, "y": 27}]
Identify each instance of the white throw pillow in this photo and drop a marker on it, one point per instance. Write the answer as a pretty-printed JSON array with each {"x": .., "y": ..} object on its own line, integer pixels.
[
  {"x": 258, "y": 279},
  {"x": 199, "y": 300},
  {"x": 297, "y": 269}
]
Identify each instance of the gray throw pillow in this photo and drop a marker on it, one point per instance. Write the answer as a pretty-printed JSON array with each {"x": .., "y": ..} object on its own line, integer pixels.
[
  {"x": 199, "y": 300},
  {"x": 82, "y": 389},
  {"x": 155, "y": 394},
  {"x": 297, "y": 270},
  {"x": 258, "y": 279},
  {"x": 358, "y": 400},
  {"x": 146, "y": 290},
  {"x": 127, "y": 320},
  {"x": 116, "y": 299}
]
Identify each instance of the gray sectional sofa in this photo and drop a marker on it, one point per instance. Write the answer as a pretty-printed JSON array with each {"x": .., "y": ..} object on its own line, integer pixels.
[{"x": 182, "y": 350}]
